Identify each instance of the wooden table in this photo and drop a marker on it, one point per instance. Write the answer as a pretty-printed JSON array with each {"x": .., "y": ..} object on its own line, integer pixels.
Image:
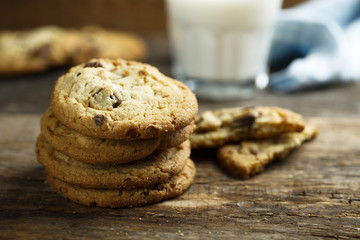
[{"x": 312, "y": 194}]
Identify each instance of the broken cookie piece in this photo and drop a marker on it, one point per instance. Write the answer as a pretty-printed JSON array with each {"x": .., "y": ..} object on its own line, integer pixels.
[
  {"x": 215, "y": 128},
  {"x": 250, "y": 157}
]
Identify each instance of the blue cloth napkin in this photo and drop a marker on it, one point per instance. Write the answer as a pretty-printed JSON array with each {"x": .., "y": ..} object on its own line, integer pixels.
[{"x": 316, "y": 43}]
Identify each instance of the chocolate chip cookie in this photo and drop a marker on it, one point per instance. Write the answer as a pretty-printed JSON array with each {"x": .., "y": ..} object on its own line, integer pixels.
[
  {"x": 100, "y": 150},
  {"x": 119, "y": 99},
  {"x": 39, "y": 49},
  {"x": 117, "y": 198},
  {"x": 34, "y": 50},
  {"x": 215, "y": 128},
  {"x": 156, "y": 168},
  {"x": 97, "y": 42}
]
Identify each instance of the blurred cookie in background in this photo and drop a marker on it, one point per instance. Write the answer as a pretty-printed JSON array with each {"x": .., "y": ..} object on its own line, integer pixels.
[{"x": 37, "y": 50}]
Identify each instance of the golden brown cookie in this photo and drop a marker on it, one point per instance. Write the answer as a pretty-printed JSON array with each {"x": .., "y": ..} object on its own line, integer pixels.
[
  {"x": 250, "y": 157},
  {"x": 97, "y": 42},
  {"x": 103, "y": 151},
  {"x": 116, "y": 198},
  {"x": 175, "y": 138},
  {"x": 118, "y": 99},
  {"x": 39, "y": 49},
  {"x": 156, "y": 168},
  {"x": 34, "y": 50},
  {"x": 215, "y": 128}
]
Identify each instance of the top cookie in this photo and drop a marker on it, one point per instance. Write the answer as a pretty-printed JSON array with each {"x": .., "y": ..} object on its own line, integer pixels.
[{"x": 118, "y": 99}]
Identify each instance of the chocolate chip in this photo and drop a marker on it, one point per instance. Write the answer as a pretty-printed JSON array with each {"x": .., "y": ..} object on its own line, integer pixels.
[
  {"x": 97, "y": 92},
  {"x": 116, "y": 104},
  {"x": 78, "y": 74},
  {"x": 43, "y": 51},
  {"x": 99, "y": 120},
  {"x": 254, "y": 152},
  {"x": 93, "y": 65},
  {"x": 118, "y": 101},
  {"x": 246, "y": 121}
]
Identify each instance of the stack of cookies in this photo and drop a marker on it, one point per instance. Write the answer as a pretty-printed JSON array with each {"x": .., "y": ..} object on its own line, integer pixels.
[
  {"x": 116, "y": 135},
  {"x": 249, "y": 138}
]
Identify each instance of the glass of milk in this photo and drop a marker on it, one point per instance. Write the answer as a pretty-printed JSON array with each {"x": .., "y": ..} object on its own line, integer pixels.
[{"x": 220, "y": 48}]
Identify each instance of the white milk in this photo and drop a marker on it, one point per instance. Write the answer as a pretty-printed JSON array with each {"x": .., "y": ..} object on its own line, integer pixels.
[{"x": 221, "y": 40}]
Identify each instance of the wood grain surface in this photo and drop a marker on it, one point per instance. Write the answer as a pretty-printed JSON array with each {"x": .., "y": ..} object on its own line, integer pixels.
[{"x": 312, "y": 194}]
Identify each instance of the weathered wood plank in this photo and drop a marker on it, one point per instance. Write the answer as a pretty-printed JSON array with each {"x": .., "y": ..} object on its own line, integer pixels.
[{"x": 312, "y": 194}]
